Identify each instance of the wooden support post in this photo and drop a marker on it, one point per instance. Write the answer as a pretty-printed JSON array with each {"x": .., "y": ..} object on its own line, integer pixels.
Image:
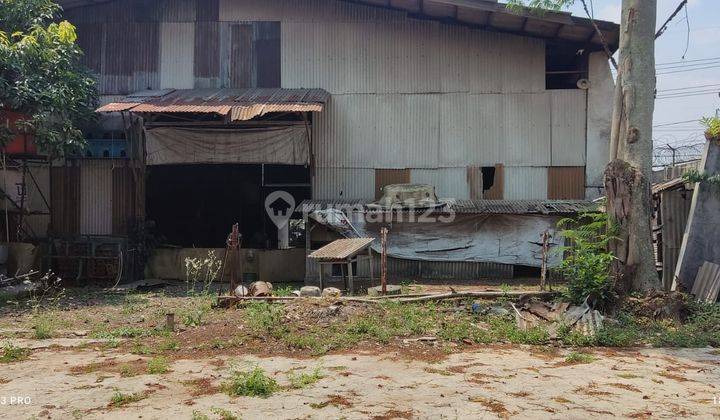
[
  {"x": 372, "y": 274},
  {"x": 383, "y": 260},
  {"x": 543, "y": 267},
  {"x": 351, "y": 289},
  {"x": 320, "y": 271}
]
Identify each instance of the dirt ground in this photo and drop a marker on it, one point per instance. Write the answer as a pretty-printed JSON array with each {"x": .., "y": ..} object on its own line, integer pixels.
[{"x": 61, "y": 380}]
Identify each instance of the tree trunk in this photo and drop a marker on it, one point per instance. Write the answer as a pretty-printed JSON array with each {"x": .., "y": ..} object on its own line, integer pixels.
[{"x": 627, "y": 178}]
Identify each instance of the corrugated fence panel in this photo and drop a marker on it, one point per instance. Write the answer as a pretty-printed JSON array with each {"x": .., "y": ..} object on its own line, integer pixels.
[
  {"x": 123, "y": 199},
  {"x": 65, "y": 201},
  {"x": 448, "y": 182},
  {"x": 527, "y": 129},
  {"x": 675, "y": 208},
  {"x": 96, "y": 197},
  {"x": 177, "y": 55},
  {"x": 566, "y": 183},
  {"x": 333, "y": 183},
  {"x": 525, "y": 183},
  {"x": 569, "y": 117}
]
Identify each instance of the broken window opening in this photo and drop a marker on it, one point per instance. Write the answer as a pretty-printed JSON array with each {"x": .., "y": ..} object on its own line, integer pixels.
[
  {"x": 488, "y": 177},
  {"x": 565, "y": 66}
]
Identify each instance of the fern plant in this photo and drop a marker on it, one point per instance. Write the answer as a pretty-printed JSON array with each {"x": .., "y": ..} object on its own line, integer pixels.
[
  {"x": 587, "y": 262},
  {"x": 712, "y": 126}
]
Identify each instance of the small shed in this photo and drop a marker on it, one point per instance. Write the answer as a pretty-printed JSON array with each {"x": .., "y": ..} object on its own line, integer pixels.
[
  {"x": 672, "y": 208},
  {"x": 344, "y": 253}
]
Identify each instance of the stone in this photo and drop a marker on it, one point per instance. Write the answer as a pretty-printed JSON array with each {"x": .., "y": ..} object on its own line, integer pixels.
[
  {"x": 331, "y": 292},
  {"x": 310, "y": 291},
  {"x": 260, "y": 288},
  {"x": 390, "y": 288},
  {"x": 241, "y": 291}
]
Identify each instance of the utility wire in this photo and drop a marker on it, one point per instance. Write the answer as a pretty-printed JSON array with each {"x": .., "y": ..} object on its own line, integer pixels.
[
  {"x": 689, "y": 87},
  {"x": 675, "y": 123},
  {"x": 687, "y": 70},
  {"x": 688, "y": 61},
  {"x": 682, "y": 66}
]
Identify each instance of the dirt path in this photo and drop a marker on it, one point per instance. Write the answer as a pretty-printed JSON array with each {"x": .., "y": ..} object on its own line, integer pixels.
[{"x": 495, "y": 382}]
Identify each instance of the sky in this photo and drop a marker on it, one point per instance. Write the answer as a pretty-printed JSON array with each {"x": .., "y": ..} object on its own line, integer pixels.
[{"x": 704, "y": 43}]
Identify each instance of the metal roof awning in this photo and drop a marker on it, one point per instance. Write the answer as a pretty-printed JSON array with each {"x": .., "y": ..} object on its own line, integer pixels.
[{"x": 235, "y": 104}]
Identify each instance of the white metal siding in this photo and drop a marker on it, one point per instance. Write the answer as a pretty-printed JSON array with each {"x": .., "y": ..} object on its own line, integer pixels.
[
  {"x": 448, "y": 182},
  {"x": 471, "y": 130},
  {"x": 337, "y": 183},
  {"x": 96, "y": 197},
  {"x": 526, "y": 183},
  {"x": 408, "y": 57},
  {"x": 177, "y": 46},
  {"x": 526, "y": 131},
  {"x": 568, "y": 127}
]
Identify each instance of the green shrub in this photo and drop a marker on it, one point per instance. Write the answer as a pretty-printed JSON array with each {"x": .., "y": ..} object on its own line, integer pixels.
[
  {"x": 266, "y": 318},
  {"x": 120, "y": 399},
  {"x": 579, "y": 358},
  {"x": 158, "y": 365},
  {"x": 587, "y": 262},
  {"x": 303, "y": 380},
  {"x": 13, "y": 353},
  {"x": 253, "y": 383}
]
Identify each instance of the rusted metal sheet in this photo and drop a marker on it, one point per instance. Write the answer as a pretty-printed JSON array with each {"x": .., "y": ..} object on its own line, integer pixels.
[
  {"x": 207, "y": 54},
  {"x": 475, "y": 182},
  {"x": 566, "y": 183},
  {"x": 707, "y": 283},
  {"x": 385, "y": 177},
  {"x": 123, "y": 199},
  {"x": 543, "y": 207},
  {"x": 238, "y": 104},
  {"x": 497, "y": 191},
  {"x": 65, "y": 201},
  {"x": 341, "y": 249},
  {"x": 241, "y": 47}
]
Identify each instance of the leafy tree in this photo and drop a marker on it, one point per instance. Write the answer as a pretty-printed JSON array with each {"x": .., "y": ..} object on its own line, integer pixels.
[
  {"x": 628, "y": 175},
  {"x": 41, "y": 75}
]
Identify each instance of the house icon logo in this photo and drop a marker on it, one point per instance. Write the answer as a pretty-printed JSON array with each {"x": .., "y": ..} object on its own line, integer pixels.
[{"x": 280, "y": 206}]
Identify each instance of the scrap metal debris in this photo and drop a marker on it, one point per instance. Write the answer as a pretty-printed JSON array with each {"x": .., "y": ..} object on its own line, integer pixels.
[{"x": 552, "y": 316}]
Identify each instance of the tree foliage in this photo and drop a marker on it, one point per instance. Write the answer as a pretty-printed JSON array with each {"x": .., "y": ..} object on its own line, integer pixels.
[
  {"x": 41, "y": 74},
  {"x": 538, "y": 5}
]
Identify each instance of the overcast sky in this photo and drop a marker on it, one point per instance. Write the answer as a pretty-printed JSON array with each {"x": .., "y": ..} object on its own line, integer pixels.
[{"x": 704, "y": 20}]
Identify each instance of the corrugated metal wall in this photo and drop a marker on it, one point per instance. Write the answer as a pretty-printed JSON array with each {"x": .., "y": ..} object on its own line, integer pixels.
[
  {"x": 407, "y": 93},
  {"x": 96, "y": 197},
  {"x": 674, "y": 210}
]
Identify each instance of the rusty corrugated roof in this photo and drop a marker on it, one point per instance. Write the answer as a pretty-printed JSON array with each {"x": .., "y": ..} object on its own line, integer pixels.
[
  {"x": 238, "y": 104},
  {"x": 341, "y": 249},
  {"x": 560, "y": 207},
  {"x": 668, "y": 185}
]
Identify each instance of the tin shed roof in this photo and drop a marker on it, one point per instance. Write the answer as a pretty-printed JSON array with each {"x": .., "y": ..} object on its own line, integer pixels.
[
  {"x": 341, "y": 249},
  {"x": 236, "y": 104}
]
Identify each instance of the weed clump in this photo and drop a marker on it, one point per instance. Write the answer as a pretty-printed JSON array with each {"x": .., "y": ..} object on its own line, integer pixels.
[
  {"x": 577, "y": 358},
  {"x": 303, "y": 379},
  {"x": 253, "y": 383},
  {"x": 13, "y": 353},
  {"x": 158, "y": 366},
  {"x": 120, "y": 399}
]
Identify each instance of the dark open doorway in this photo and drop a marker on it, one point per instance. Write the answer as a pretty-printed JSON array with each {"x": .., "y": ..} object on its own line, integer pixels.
[{"x": 196, "y": 205}]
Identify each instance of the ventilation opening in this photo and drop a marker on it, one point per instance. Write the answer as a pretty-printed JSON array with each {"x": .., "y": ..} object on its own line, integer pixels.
[
  {"x": 488, "y": 177},
  {"x": 565, "y": 66}
]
